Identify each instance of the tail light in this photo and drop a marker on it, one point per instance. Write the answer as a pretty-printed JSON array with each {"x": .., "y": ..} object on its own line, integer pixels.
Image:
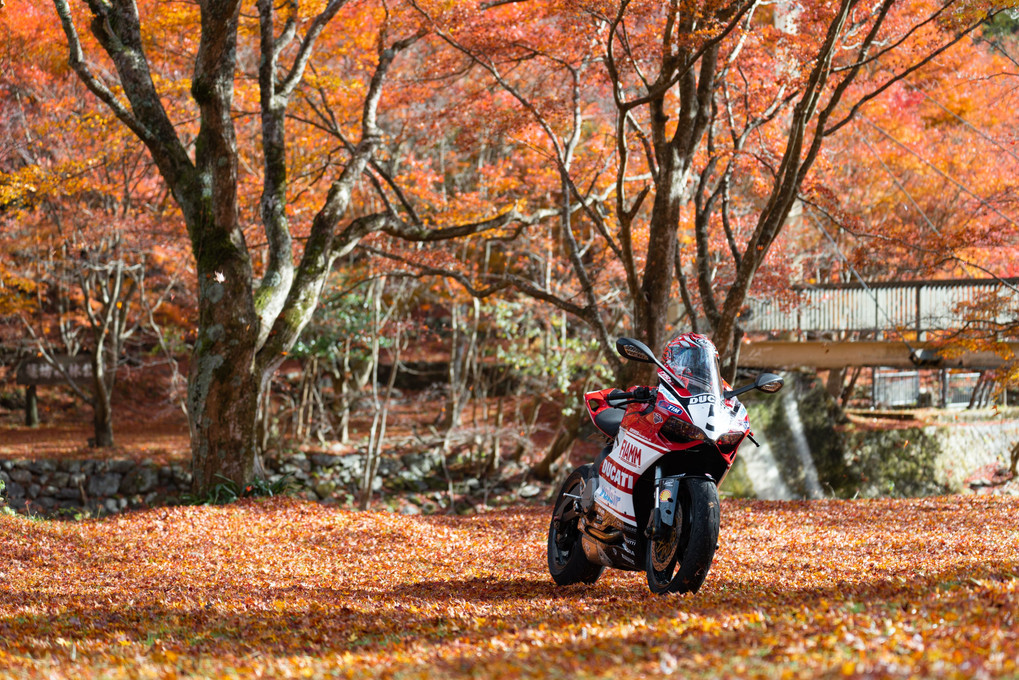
[{"x": 676, "y": 430}]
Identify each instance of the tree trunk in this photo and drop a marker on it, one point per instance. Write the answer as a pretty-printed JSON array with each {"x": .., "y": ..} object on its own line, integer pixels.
[
  {"x": 103, "y": 377},
  {"x": 223, "y": 396},
  {"x": 31, "y": 406},
  {"x": 226, "y": 382},
  {"x": 569, "y": 427},
  {"x": 102, "y": 420}
]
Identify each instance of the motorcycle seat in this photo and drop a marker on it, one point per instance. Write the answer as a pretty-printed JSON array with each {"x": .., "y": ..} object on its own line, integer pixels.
[{"x": 608, "y": 421}]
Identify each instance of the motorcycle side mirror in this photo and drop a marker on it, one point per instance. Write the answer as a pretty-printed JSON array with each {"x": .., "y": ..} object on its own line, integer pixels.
[
  {"x": 636, "y": 350},
  {"x": 765, "y": 382},
  {"x": 769, "y": 382}
]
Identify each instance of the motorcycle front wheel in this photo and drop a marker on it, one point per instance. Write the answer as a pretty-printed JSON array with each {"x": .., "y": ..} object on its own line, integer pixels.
[
  {"x": 678, "y": 557},
  {"x": 567, "y": 562}
]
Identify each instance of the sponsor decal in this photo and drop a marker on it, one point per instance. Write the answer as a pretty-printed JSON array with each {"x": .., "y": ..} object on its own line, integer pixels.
[
  {"x": 616, "y": 475},
  {"x": 608, "y": 495},
  {"x": 657, "y": 418},
  {"x": 665, "y": 496},
  {"x": 704, "y": 399},
  {"x": 629, "y": 453},
  {"x": 672, "y": 408}
]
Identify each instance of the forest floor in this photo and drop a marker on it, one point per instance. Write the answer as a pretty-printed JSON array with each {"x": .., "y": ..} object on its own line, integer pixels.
[{"x": 289, "y": 588}]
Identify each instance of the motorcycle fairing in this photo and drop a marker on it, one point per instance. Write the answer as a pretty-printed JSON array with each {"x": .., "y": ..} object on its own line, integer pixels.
[
  {"x": 711, "y": 412},
  {"x": 632, "y": 454},
  {"x": 597, "y": 405}
]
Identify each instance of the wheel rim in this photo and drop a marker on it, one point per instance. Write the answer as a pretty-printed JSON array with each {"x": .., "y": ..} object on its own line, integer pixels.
[{"x": 664, "y": 553}]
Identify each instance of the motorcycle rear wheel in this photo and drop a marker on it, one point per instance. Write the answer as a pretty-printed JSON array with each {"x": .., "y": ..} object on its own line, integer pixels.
[
  {"x": 678, "y": 560},
  {"x": 567, "y": 562}
]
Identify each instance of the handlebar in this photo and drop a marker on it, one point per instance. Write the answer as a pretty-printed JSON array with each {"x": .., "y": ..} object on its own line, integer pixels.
[{"x": 621, "y": 398}]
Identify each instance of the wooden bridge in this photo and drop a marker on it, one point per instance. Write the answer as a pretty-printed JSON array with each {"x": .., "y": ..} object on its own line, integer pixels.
[{"x": 878, "y": 324}]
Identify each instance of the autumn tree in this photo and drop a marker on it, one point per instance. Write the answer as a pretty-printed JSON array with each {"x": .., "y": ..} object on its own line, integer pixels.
[
  {"x": 720, "y": 112},
  {"x": 74, "y": 208},
  {"x": 250, "y": 313}
]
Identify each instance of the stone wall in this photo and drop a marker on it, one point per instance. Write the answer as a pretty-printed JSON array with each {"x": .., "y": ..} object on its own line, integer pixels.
[
  {"x": 69, "y": 487},
  {"x": 51, "y": 487}
]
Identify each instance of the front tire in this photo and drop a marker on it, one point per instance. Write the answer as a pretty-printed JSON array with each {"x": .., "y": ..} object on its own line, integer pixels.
[
  {"x": 678, "y": 558},
  {"x": 567, "y": 562}
]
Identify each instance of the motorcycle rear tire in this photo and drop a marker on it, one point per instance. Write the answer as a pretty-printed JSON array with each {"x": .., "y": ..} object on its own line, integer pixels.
[
  {"x": 695, "y": 548},
  {"x": 570, "y": 565}
]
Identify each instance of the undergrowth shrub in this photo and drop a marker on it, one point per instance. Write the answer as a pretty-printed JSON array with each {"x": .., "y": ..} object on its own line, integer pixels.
[{"x": 229, "y": 491}]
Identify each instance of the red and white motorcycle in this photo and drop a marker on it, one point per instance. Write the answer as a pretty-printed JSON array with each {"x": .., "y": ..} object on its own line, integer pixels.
[{"x": 650, "y": 502}]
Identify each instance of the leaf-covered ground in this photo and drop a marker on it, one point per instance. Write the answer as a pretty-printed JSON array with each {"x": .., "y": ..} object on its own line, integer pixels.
[{"x": 285, "y": 588}]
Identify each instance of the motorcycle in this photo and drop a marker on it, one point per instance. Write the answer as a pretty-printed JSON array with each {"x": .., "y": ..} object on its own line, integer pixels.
[{"x": 650, "y": 501}]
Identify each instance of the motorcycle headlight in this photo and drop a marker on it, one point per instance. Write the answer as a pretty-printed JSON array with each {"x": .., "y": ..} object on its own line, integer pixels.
[
  {"x": 676, "y": 430},
  {"x": 731, "y": 438}
]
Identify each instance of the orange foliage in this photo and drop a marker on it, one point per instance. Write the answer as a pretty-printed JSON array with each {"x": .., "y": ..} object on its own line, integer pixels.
[{"x": 292, "y": 589}]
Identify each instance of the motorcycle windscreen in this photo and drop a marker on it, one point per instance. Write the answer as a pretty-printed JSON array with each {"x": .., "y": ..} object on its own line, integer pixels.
[
  {"x": 694, "y": 370},
  {"x": 696, "y": 376}
]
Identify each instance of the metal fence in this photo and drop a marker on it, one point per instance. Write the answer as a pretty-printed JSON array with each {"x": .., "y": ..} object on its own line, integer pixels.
[
  {"x": 917, "y": 306},
  {"x": 896, "y": 388},
  {"x": 958, "y": 388}
]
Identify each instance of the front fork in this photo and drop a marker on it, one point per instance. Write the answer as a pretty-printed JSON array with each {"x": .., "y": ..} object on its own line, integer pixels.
[{"x": 663, "y": 516}]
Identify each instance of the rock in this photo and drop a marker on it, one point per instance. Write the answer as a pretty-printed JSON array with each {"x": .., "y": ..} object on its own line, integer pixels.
[
  {"x": 410, "y": 510},
  {"x": 49, "y": 490},
  {"x": 33, "y": 490},
  {"x": 21, "y": 476},
  {"x": 15, "y": 492},
  {"x": 324, "y": 460},
  {"x": 69, "y": 466},
  {"x": 529, "y": 491},
  {"x": 4, "y": 477},
  {"x": 300, "y": 462},
  {"x": 59, "y": 479},
  {"x": 140, "y": 480},
  {"x": 122, "y": 467},
  {"x": 325, "y": 487},
  {"x": 354, "y": 461},
  {"x": 42, "y": 466},
  {"x": 111, "y": 505},
  {"x": 104, "y": 484},
  {"x": 69, "y": 493}
]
